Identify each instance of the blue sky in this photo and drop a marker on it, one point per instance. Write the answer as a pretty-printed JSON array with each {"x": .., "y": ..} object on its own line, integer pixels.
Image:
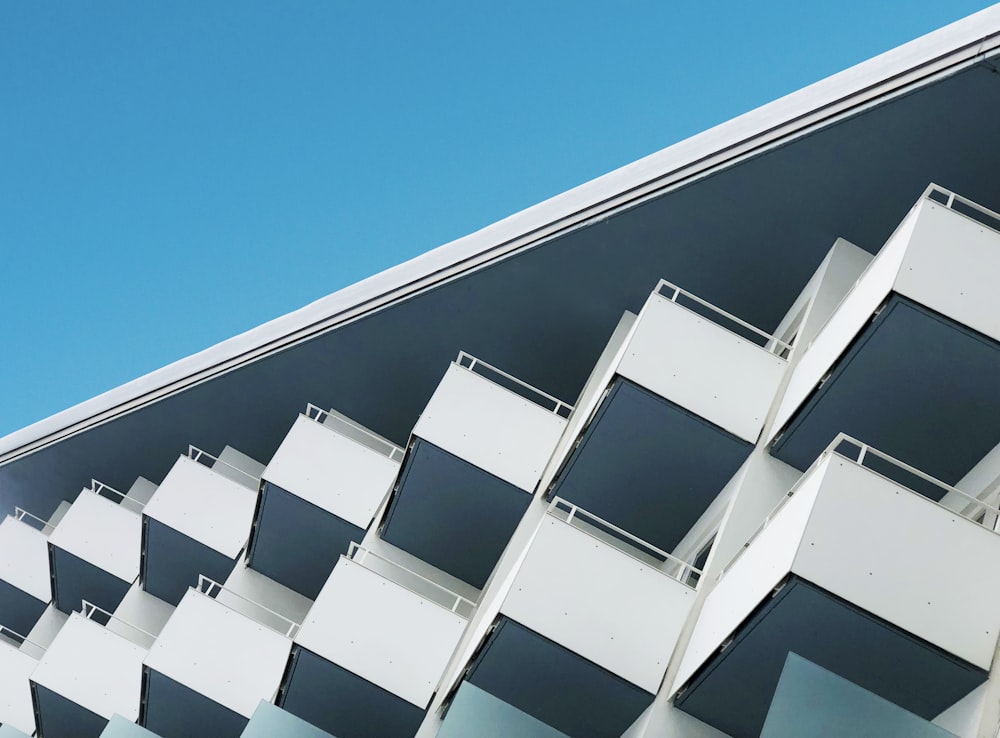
[{"x": 172, "y": 174}]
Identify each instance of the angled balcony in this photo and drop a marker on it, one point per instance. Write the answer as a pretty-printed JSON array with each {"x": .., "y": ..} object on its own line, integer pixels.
[
  {"x": 18, "y": 659},
  {"x": 477, "y": 453},
  {"x": 912, "y": 348},
  {"x": 593, "y": 610},
  {"x": 683, "y": 403},
  {"x": 25, "y": 588},
  {"x": 211, "y": 665},
  {"x": 321, "y": 489},
  {"x": 197, "y": 522},
  {"x": 474, "y": 713},
  {"x": 87, "y": 675},
  {"x": 835, "y": 577},
  {"x": 95, "y": 549},
  {"x": 371, "y": 653},
  {"x": 269, "y": 721},
  {"x": 119, "y": 727}
]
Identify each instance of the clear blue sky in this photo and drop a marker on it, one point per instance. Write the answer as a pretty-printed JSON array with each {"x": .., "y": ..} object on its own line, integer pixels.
[{"x": 172, "y": 174}]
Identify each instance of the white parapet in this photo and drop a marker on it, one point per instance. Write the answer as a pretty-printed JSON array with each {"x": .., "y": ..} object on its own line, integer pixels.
[
  {"x": 382, "y": 631},
  {"x": 94, "y": 668},
  {"x": 601, "y": 597},
  {"x": 702, "y": 365},
  {"x": 333, "y": 470},
  {"x": 205, "y": 505},
  {"x": 492, "y": 427},
  {"x": 103, "y": 533},
  {"x": 16, "y": 666},
  {"x": 24, "y": 558},
  {"x": 841, "y": 530},
  {"x": 220, "y": 653}
]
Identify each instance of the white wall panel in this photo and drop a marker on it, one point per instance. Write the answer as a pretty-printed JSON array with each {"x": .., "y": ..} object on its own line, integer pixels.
[
  {"x": 906, "y": 559},
  {"x": 140, "y": 609},
  {"x": 595, "y": 600},
  {"x": 491, "y": 427},
  {"x": 15, "y": 694},
  {"x": 47, "y": 628},
  {"x": 205, "y": 505},
  {"x": 239, "y": 467},
  {"x": 382, "y": 632},
  {"x": 24, "y": 558},
  {"x": 220, "y": 653},
  {"x": 246, "y": 584},
  {"x": 703, "y": 367},
  {"x": 103, "y": 533},
  {"x": 762, "y": 565},
  {"x": 332, "y": 471},
  {"x": 951, "y": 266},
  {"x": 93, "y": 667}
]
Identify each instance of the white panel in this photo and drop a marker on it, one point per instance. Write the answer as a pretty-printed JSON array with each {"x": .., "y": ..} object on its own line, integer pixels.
[
  {"x": 93, "y": 667},
  {"x": 24, "y": 558},
  {"x": 951, "y": 266},
  {"x": 246, "y": 584},
  {"x": 491, "y": 427},
  {"x": 751, "y": 577},
  {"x": 47, "y": 628},
  {"x": 922, "y": 575},
  {"x": 204, "y": 505},
  {"x": 846, "y": 322},
  {"x": 239, "y": 467},
  {"x": 141, "y": 609},
  {"x": 332, "y": 471},
  {"x": 703, "y": 367},
  {"x": 141, "y": 491},
  {"x": 103, "y": 533},
  {"x": 220, "y": 653},
  {"x": 593, "y": 599},
  {"x": 15, "y": 694},
  {"x": 57, "y": 516},
  {"x": 382, "y": 632}
]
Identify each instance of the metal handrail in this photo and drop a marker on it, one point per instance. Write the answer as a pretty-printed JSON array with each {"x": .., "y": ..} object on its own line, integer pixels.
[
  {"x": 952, "y": 197},
  {"x": 863, "y": 451},
  {"x": 772, "y": 344},
  {"x": 211, "y": 588},
  {"x": 99, "y": 487},
  {"x": 89, "y": 608},
  {"x": 20, "y": 514},
  {"x": 574, "y": 513},
  {"x": 318, "y": 414},
  {"x": 354, "y": 549},
  {"x": 196, "y": 454},
  {"x": 21, "y": 639},
  {"x": 558, "y": 405}
]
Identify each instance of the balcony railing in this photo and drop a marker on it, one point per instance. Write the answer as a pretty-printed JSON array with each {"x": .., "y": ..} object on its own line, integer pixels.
[
  {"x": 675, "y": 294},
  {"x": 203, "y": 457},
  {"x": 877, "y": 462},
  {"x": 441, "y": 595},
  {"x": 505, "y": 380},
  {"x": 35, "y": 649},
  {"x": 323, "y": 417},
  {"x": 102, "y": 489},
  {"x": 33, "y": 520},
  {"x": 963, "y": 206},
  {"x": 89, "y": 610},
  {"x": 211, "y": 588},
  {"x": 630, "y": 545}
]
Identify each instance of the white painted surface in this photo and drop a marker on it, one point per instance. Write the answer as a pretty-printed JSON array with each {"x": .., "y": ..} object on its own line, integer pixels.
[
  {"x": 927, "y": 576},
  {"x": 853, "y": 313},
  {"x": 332, "y": 471},
  {"x": 951, "y": 266},
  {"x": 46, "y": 629},
  {"x": 220, "y": 653},
  {"x": 593, "y": 599},
  {"x": 93, "y": 667},
  {"x": 843, "y": 266},
  {"x": 205, "y": 505},
  {"x": 24, "y": 558},
  {"x": 57, "y": 516},
  {"x": 141, "y": 491},
  {"x": 963, "y": 717},
  {"x": 246, "y": 584},
  {"x": 761, "y": 566},
  {"x": 239, "y": 467},
  {"x": 703, "y": 367},
  {"x": 382, "y": 632},
  {"x": 490, "y": 427},
  {"x": 103, "y": 533},
  {"x": 15, "y": 693},
  {"x": 141, "y": 609}
]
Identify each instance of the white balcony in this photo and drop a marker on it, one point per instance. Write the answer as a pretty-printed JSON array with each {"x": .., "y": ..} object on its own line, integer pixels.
[
  {"x": 25, "y": 588},
  {"x": 322, "y": 487},
  {"x": 269, "y": 721},
  {"x": 17, "y": 661},
  {"x": 373, "y": 649},
  {"x": 96, "y": 548},
  {"x": 86, "y": 675},
  {"x": 862, "y": 576},
  {"x": 913, "y": 345},
  {"x": 211, "y": 665},
  {"x": 478, "y": 452},
  {"x": 197, "y": 522}
]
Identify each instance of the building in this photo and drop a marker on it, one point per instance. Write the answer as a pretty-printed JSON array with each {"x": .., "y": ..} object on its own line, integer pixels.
[{"x": 708, "y": 446}]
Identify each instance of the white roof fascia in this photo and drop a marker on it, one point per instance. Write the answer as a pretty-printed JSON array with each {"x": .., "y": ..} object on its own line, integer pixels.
[{"x": 918, "y": 62}]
